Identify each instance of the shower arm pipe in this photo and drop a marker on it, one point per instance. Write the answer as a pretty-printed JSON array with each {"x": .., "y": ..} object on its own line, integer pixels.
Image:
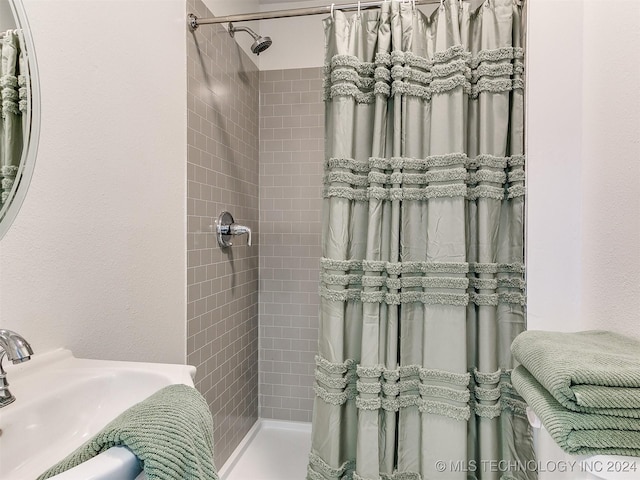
[{"x": 195, "y": 22}]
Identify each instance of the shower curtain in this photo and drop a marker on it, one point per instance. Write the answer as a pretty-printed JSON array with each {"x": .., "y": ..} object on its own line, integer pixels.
[
  {"x": 13, "y": 118},
  {"x": 422, "y": 275}
]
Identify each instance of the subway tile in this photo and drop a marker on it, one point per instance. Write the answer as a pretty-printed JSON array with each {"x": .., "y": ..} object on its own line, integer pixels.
[
  {"x": 300, "y": 86},
  {"x": 273, "y": 99},
  {"x": 282, "y": 414},
  {"x": 311, "y": 73},
  {"x": 301, "y": 109},
  {"x": 311, "y": 121},
  {"x": 302, "y": 415},
  {"x": 290, "y": 403},
  {"x": 292, "y": 121},
  {"x": 222, "y": 165},
  {"x": 273, "y": 75},
  {"x": 283, "y": 86},
  {"x": 266, "y": 110},
  {"x": 291, "y": 74},
  {"x": 283, "y": 133},
  {"x": 290, "y": 189},
  {"x": 293, "y": 98},
  {"x": 271, "y": 122},
  {"x": 315, "y": 84},
  {"x": 266, "y": 87},
  {"x": 280, "y": 110}
]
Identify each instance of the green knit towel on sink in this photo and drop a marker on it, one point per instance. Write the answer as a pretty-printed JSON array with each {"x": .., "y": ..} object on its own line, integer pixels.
[
  {"x": 171, "y": 433},
  {"x": 591, "y": 372},
  {"x": 578, "y": 433}
]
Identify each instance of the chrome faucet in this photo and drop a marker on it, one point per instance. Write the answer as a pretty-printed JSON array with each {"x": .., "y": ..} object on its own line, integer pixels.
[
  {"x": 235, "y": 229},
  {"x": 226, "y": 227},
  {"x": 17, "y": 350}
]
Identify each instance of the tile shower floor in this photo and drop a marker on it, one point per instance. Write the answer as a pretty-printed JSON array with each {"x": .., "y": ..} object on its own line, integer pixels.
[{"x": 272, "y": 450}]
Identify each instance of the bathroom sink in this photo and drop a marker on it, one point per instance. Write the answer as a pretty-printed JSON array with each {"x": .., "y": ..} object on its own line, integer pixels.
[{"x": 62, "y": 401}]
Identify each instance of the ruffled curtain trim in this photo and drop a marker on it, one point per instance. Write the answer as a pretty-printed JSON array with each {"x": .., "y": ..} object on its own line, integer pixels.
[{"x": 404, "y": 73}]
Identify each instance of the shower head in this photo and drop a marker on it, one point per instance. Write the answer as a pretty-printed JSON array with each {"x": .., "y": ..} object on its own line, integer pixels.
[{"x": 259, "y": 45}]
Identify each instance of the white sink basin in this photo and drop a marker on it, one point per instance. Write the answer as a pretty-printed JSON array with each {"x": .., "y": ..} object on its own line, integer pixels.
[{"x": 62, "y": 401}]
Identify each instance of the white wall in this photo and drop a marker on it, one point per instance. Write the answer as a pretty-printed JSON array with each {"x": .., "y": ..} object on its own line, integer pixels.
[
  {"x": 95, "y": 260},
  {"x": 611, "y": 166},
  {"x": 554, "y": 168},
  {"x": 584, "y": 165},
  {"x": 297, "y": 42}
]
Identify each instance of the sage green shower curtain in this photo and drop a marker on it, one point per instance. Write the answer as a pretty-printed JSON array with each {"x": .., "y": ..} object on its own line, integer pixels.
[
  {"x": 422, "y": 275},
  {"x": 13, "y": 100}
]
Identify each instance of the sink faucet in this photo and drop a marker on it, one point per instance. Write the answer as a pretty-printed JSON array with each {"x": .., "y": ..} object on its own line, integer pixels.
[{"x": 17, "y": 350}]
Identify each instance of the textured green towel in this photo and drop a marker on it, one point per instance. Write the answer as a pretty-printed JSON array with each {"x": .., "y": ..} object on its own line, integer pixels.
[
  {"x": 590, "y": 372},
  {"x": 578, "y": 433},
  {"x": 171, "y": 433}
]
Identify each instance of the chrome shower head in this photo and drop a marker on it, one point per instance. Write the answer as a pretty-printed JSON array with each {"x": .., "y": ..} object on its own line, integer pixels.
[{"x": 259, "y": 45}]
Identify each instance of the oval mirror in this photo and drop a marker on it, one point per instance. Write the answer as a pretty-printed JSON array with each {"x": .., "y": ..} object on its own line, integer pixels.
[{"x": 19, "y": 110}]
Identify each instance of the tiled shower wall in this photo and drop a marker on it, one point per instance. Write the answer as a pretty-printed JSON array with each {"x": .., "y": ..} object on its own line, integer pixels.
[
  {"x": 222, "y": 174},
  {"x": 291, "y": 166}
]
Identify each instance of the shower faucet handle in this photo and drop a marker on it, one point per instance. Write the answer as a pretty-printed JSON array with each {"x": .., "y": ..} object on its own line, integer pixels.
[
  {"x": 226, "y": 227},
  {"x": 235, "y": 229}
]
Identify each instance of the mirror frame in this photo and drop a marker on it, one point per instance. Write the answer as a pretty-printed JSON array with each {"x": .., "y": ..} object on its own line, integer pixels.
[{"x": 28, "y": 159}]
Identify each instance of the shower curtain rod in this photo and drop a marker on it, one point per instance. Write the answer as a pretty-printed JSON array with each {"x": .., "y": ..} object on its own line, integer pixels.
[{"x": 195, "y": 22}]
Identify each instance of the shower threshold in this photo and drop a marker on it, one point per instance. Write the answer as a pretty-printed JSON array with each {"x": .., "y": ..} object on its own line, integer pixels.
[{"x": 272, "y": 450}]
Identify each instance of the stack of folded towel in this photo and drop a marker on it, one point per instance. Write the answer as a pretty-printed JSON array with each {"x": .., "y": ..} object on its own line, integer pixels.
[
  {"x": 171, "y": 433},
  {"x": 584, "y": 386}
]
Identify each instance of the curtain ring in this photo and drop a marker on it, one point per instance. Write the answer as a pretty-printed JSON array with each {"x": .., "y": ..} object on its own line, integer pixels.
[
  {"x": 441, "y": 3},
  {"x": 413, "y": 5},
  {"x": 332, "y": 7},
  {"x": 358, "y": 9}
]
